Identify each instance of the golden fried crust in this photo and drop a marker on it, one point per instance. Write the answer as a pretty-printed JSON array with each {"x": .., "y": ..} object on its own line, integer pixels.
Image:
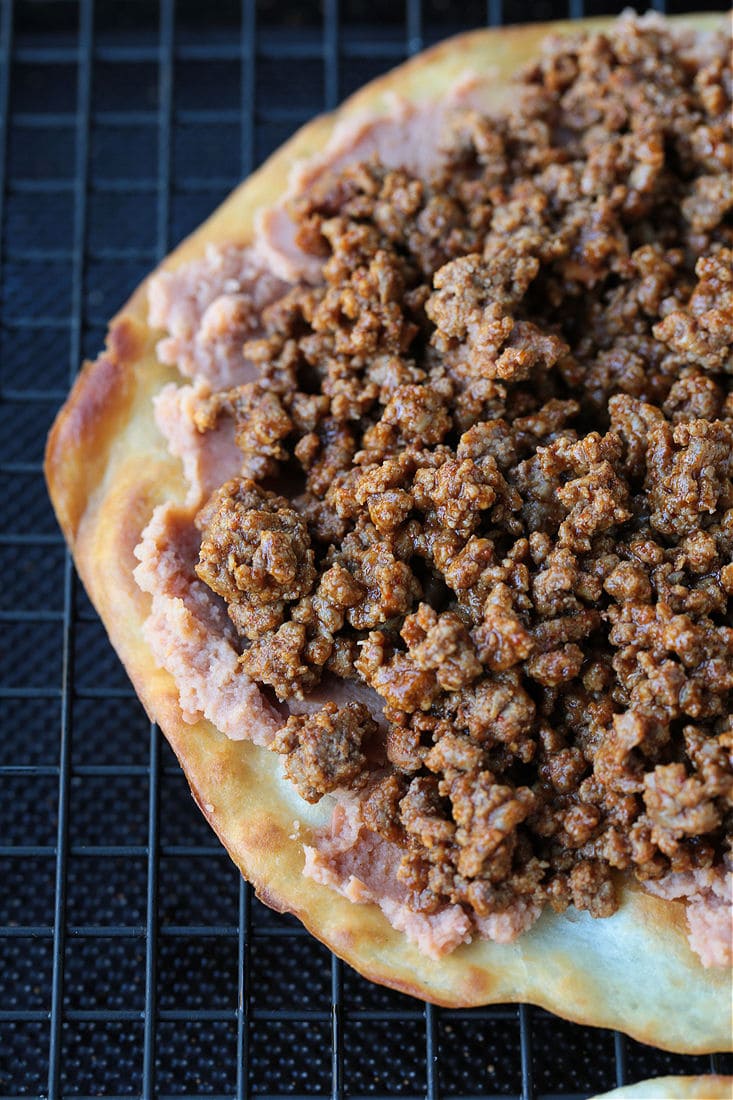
[
  {"x": 107, "y": 467},
  {"x": 675, "y": 1088}
]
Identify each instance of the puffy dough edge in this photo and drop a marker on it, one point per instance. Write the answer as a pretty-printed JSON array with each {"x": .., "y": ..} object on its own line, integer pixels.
[
  {"x": 107, "y": 467},
  {"x": 709, "y": 1087}
]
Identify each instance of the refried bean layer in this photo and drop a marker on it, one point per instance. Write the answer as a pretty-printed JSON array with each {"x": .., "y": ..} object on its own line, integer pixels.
[{"x": 487, "y": 470}]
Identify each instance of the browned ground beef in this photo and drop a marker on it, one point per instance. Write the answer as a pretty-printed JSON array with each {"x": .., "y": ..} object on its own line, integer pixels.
[
  {"x": 324, "y": 751},
  {"x": 507, "y": 411}
]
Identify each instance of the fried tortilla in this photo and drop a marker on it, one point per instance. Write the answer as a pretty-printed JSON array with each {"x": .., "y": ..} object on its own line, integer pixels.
[{"x": 710, "y": 1087}]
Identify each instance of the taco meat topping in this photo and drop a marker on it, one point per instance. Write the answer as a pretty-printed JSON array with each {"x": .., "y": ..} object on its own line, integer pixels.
[{"x": 487, "y": 471}]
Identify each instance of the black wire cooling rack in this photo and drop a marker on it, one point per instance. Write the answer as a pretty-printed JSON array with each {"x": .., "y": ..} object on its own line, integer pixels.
[{"x": 133, "y": 959}]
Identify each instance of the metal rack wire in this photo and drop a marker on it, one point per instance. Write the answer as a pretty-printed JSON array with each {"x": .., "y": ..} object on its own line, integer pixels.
[{"x": 133, "y": 960}]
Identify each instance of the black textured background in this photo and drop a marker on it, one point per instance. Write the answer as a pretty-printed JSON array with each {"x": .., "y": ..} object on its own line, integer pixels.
[{"x": 133, "y": 961}]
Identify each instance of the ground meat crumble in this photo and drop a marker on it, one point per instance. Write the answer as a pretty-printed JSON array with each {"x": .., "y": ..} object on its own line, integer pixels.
[{"x": 503, "y": 425}]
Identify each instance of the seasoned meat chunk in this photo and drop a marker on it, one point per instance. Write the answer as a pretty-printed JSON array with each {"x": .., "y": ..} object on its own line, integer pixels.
[
  {"x": 469, "y": 311},
  {"x": 255, "y": 552},
  {"x": 323, "y": 751},
  {"x": 458, "y": 491},
  {"x": 280, "y": 659},
  {"x": 441, "y": 643},
  {"x": 689, "y": 474},
  {"x": 677, "y": 805},
  {"x": 261, "y": 423},
  {"x": 703, "y": 331},
  {"x": 487, "y": 815}
]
